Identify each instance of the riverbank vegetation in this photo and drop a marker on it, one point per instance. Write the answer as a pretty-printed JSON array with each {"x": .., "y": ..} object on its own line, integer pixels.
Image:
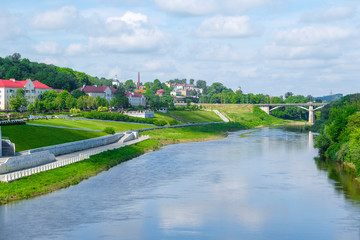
[{"x": 339, "y": 127}]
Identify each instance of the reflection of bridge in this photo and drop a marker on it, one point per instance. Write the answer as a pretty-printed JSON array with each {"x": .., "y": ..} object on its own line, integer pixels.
[{"x": 270, "y": 107}]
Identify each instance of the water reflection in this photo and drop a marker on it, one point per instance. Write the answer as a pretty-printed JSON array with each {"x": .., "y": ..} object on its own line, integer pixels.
[{"x": 258, "y": 184}]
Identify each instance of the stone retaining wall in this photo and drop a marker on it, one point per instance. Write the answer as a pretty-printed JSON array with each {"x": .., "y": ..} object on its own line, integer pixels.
[
  {"x": 79, "y": 145},
  {"x": 26, "y": 161}
]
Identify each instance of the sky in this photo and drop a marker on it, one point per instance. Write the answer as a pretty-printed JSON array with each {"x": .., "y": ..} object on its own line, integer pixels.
[{"x": 263, "y": 46}]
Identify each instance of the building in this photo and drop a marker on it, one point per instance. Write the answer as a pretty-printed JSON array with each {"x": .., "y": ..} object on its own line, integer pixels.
[
  {"x": 99, "y": 91},
  {"x": 185, "y": 90},
  {"x": 115, "y": 81},
  {"x": 33, "y": 90},
  {"x": 160, "y": 92},
  {"x": 136, "y": 99}
]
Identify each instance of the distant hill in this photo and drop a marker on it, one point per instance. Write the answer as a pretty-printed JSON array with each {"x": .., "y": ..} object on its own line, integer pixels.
[
  {"x": 14, "y": 66},
  {"x": 329, "y": 98}
]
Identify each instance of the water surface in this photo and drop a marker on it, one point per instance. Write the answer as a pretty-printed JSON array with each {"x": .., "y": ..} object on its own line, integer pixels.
[{"x": 255, "y": 184}]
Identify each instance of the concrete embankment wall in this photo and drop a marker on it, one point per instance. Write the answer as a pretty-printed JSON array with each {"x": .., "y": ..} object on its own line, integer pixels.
[
  {"x": 79, "y": 145},
  {"x": 26, "y": 161}
]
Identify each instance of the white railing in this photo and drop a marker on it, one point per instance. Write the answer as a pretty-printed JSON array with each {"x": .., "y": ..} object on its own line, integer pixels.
[{"x": 27, "y": 172}]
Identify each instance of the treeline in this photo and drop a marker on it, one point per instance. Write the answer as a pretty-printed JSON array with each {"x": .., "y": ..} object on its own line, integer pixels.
[
  {"x": 14, "y": 66},
  {"x": 339, "y": 127}
]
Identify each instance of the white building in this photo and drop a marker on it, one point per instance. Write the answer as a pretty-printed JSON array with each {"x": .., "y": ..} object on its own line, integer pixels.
[
  {"x": 33, "y": 90},
  {"x": 135, "y": 99}
]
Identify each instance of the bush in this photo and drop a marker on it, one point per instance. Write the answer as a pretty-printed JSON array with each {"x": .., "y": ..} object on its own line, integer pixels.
[
  {"x": 103, "y": 109},
  {"x": 74, "y": 111},
  {"x": 160, "y": 122},
  {"x": 109, "y": 130}
]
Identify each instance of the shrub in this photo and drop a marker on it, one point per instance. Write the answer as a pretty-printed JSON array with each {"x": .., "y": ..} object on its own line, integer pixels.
[
  {"x": 74, "y": 111},
  {"x": 109, "y": 130},
  {"x": 103, "y": 109},
  {"x": 160, "y": 122}
]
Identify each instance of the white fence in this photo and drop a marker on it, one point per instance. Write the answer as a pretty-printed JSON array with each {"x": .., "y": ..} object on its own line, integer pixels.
[{"x": 27, "y": 172}]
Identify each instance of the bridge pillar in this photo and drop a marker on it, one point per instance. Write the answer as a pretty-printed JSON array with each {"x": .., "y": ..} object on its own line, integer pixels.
[
  {"x": 311, "y": 114},
  {"x": 265, "y": 109}
]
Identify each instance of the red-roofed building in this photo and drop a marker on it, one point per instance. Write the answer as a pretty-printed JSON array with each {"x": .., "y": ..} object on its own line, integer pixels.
[
  {"x": 160, "y": 92},
  {"x": 33, "y": 89},
  {"x": 136, "y": 99},
  {"x": 101, "y": 91}
]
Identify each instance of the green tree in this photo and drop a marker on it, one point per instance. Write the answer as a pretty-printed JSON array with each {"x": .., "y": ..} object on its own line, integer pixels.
[
  {"x": 78, "y": 93},
  {"x": 129, "y": 86},
  {"x": 18, "y": 101}
]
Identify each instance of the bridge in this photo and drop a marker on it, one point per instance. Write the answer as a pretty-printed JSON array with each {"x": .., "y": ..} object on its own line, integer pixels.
[{"x": 312, "y": 107}]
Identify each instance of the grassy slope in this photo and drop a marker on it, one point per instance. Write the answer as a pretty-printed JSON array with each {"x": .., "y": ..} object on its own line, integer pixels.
[
  {"x": 88, "y": 124},
  {"x": 195, "y": 116},
  {"x": 248, "y": 115},
  {"x": 167, "y": 117},
  {"x": 29, "y": 137}
]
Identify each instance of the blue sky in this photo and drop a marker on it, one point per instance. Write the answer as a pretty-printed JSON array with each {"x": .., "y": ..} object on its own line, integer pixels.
[{"x": 263, "y": 46}]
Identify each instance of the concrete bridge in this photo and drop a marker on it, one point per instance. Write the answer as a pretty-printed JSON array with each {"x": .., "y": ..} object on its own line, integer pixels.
[{"x": 312, "y": 107}]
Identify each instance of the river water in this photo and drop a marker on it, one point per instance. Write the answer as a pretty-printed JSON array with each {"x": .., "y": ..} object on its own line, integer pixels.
[{"x": 254, "y": 184}]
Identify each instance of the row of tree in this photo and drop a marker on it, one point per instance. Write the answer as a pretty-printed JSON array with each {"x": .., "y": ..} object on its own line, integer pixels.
[{"x": 14, "y": 66}]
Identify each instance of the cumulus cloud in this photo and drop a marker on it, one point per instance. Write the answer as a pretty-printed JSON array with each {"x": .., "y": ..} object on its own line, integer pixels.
[
  {"x": 220, "y": 26},
  {"x": 301, "y": 52},
  {"x": 204, "y": 7},
  {"x": 129, "y": 33},
  {"x": 48, "y": 48},
  {"x": 328, "y": 14},
  {"x": 10, "y": 28},
  {"x": 76, "y": 49},
  {"x": 313, "y": 35},
  {"x": 62, "y": 18}
]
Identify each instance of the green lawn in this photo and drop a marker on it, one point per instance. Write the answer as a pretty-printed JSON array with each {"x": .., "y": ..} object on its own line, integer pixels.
[
  {"x": 195, "y": 116},
  {"x": 167, "y": 118},
  {"x": 88, "y": 124},
  {"x": 28, "y": 137}
]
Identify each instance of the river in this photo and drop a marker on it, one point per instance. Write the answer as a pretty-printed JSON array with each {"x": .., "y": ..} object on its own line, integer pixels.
[{"x": 254, "y": 184}]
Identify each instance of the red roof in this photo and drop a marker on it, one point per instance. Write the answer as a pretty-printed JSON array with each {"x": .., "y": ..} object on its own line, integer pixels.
[
  {"x": 133, "y": 94},
  {"x": 95, "y": 89},
  {"x": 160, "y": 90},
  {"x": 38, "y": 84},
  {"x": 21, "y": 84}
]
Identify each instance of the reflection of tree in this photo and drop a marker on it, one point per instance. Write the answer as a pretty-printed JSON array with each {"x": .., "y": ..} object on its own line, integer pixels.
[{"x": 343, "y": 176}]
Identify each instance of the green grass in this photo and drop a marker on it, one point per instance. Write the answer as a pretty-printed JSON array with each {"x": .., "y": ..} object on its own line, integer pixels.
[
  {"x": 248, "y": 115},
  {"x": 28, "y": 137},
  {"x": 195, "y": 133},
  {"x": 167, "y": 118},
  {"x": 88, "y": 124},
  {"x": 72, "y": 174},
  {"x": 195, "y": 116}
]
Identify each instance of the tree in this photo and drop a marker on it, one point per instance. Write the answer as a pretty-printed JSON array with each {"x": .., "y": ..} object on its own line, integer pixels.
[
  {"x": 288, "y": 94},
  {"x": 18, "y": 101},
  {"x": 14, "y": 58},
  {"x": 78, "y": 93},
  {"x": 192, "y": 81},
  {"x": 70, "y": 102},
  {"x": 120, "y": 100},
  {"x": 129, "y": 85},
  {"x": 60, "y": 100}
]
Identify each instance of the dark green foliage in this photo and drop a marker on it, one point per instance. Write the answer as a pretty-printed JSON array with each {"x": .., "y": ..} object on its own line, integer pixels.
[
  {"x": 339, "y": 127},
  {"x": 109, "y": 130},
  {"x": 119, "y": 117},
  {"x": 56, "y": 77}
]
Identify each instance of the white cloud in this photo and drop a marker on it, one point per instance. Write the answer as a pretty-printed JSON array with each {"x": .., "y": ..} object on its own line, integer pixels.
[
  {"x": 63, "y": 18},
  {"x": 188, "y": 7},
  {"x": 328, "y": 14},
  {"x": 313, "y": 35},
  {"x": 301, "y": 52},
  {"x": 76, "y": 49},
  {"x": 219, "y": 26},
  {"x": 129, "y": 33},
  {"x": 10, "y": 28},
  {"x": 48, "y": 48},
  {"x": 204, "y": 7}
]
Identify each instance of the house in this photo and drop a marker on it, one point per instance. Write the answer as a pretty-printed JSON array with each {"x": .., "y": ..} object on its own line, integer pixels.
[
  {"x": 160, "y": 92},
  {"x": 33, "y": 90},
  {"x": 185, "y": 90},
  {"x": 136, "y": 99},
  {"x": 99, "y": 91}
]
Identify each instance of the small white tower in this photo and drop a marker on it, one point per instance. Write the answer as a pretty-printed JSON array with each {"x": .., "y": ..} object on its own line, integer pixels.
[{"x": 115, "y": 81}]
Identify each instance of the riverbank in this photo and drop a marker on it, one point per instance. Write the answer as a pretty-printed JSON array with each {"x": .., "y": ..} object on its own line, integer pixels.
[{"x": 49, "y": 181}]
